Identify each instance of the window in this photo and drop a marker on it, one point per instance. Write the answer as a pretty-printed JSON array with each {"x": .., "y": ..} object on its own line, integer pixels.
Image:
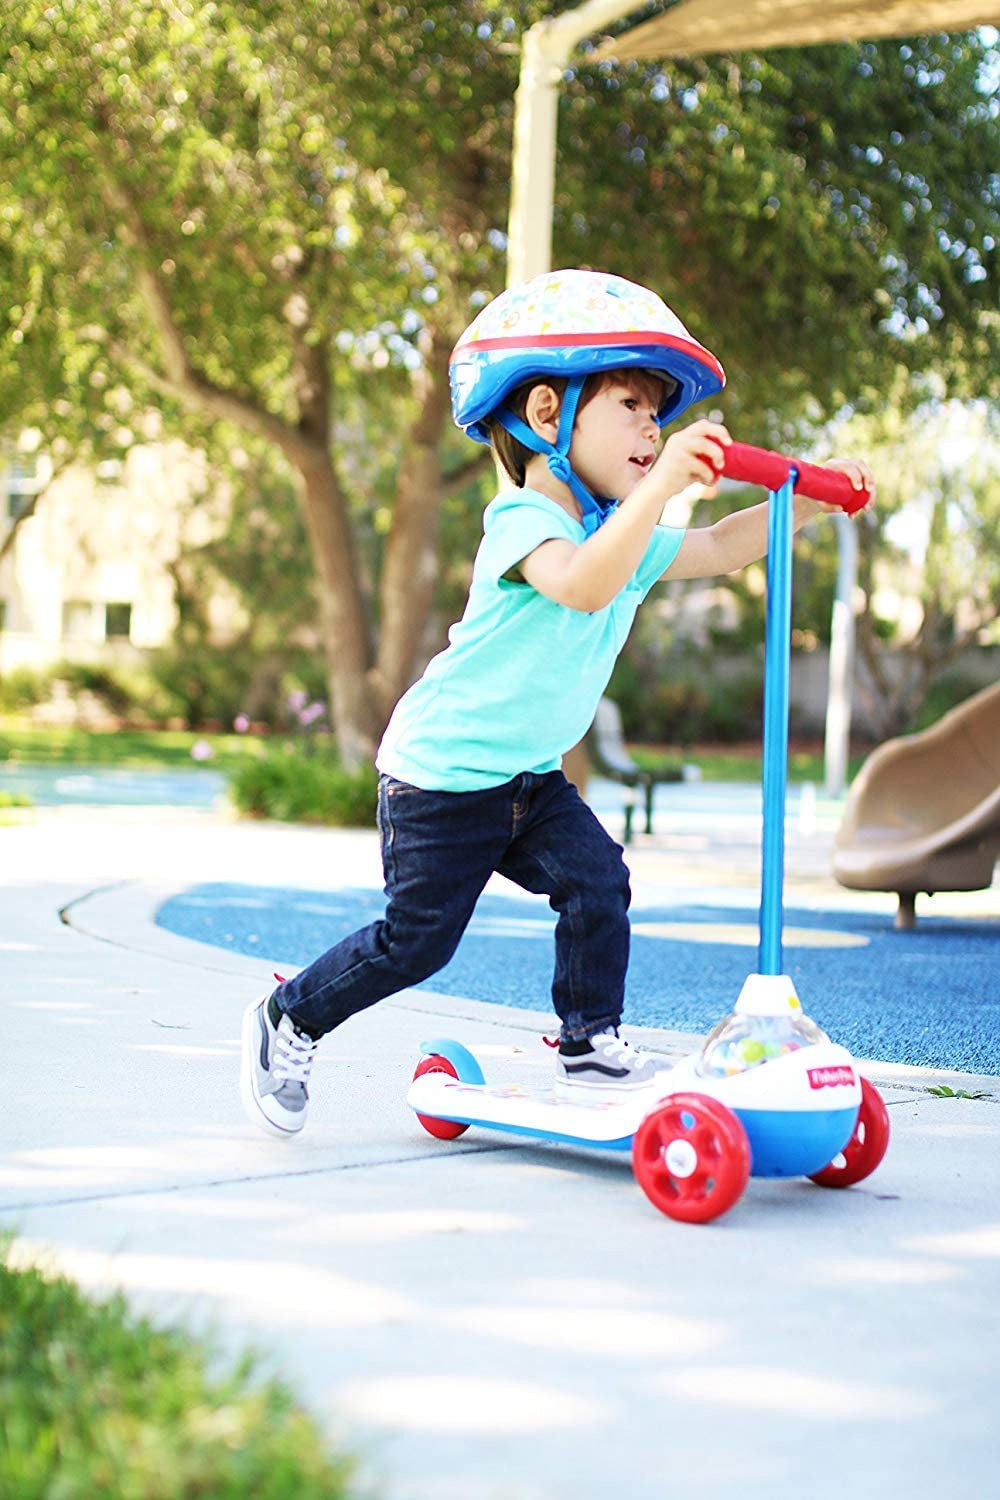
[
  {"x": 118, "y": 621},
  {"x": 22, "y": 481},
  {"x": 80, "y": 621}
]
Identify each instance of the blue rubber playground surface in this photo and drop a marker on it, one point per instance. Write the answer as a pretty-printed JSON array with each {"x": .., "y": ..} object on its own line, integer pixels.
[{"x": 927, "y": 998}]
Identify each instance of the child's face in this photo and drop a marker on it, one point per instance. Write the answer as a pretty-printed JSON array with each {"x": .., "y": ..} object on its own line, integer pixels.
[{"x": 615, "y": 439}]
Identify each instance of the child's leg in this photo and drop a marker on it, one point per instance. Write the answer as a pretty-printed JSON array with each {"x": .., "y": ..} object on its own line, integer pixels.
[
  {"x": 562, "y": 851},
  {"x": 438, "y": 851}
]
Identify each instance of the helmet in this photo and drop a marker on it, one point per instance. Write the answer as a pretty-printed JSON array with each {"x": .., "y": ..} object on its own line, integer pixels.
[{"x": 573, "y": 324}]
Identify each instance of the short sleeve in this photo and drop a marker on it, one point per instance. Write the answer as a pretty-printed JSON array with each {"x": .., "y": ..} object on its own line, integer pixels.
[
  {"x": 664, "y": 546},
  {"x": 514, "y": 524}
]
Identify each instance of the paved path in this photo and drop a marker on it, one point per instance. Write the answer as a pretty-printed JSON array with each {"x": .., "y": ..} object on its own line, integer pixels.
[{"x": 487, "y": 1319}]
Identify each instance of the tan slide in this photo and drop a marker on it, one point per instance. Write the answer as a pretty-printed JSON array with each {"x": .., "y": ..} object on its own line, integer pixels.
[{"x": 923, "y": 813}]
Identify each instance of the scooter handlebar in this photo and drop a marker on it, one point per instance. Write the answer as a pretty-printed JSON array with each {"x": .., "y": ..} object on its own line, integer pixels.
[{"x": 762, "y": 466}]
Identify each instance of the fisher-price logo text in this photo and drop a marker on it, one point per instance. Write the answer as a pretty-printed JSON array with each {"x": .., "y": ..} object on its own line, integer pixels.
[{"x": 829, "y": 1078}]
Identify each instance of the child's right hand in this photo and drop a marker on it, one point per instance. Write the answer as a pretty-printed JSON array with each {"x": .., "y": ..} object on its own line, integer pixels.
[{"x": 692, "y": 455}]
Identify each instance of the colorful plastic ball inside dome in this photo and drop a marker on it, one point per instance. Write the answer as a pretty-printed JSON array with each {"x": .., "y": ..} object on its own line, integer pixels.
[{"x": 741, "y": 1042}]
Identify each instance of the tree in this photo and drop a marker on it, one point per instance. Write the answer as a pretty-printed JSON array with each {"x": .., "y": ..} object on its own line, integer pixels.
[
  {"x": 827, "y": 216},
  {"x": 258, "y": 216},
  {"x": 184, "y": 219},
  {"x": 934, "y": 540}
]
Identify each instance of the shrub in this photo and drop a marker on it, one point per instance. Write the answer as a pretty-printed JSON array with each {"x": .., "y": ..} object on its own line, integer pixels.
[
  {"x": 295, "y": 786},
  {"x": 15, "y": 799},
  {"x": 943, "y": 695},
  {"x": 202, "y": 684},
  {"x": 96, "y": 1402},
  {"x": 104, "y": 683},
  {"x": 680, "y": 709},
  {"x": 210, "y": 684},
  {"x": 23, "y": 688}
]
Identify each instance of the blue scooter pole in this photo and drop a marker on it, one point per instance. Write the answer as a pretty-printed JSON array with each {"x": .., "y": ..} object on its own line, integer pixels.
[{"x": 777, "y": 652}]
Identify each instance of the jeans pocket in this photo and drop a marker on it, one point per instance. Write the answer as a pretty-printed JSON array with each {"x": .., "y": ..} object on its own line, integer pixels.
[{"x": 394, "y": 789}]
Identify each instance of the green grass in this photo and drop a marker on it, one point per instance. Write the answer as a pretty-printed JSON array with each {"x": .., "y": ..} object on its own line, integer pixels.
[
  {"x": 96, "y": 1402},
  {"x": 736, "y": 762},
  {"x": 129, "y": 748},
  {"x": 140, "y": 748},
  {"x": 12, "y": 808},
  {"x": 14, "y": 799}
]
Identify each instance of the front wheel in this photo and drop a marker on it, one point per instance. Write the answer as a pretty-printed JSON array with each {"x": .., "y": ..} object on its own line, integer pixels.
[
  {"x": 443, "y": 1130},
  {"x": 867, "y": 1146},
  {"x": 691, "y": 1158}
]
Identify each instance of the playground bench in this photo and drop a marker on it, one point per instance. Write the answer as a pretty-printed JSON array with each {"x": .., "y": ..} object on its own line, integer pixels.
[{"x": 609, "y": 756}]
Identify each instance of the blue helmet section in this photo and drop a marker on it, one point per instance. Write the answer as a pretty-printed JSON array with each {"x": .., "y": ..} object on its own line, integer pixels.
[{"x": 482, "y": 378}]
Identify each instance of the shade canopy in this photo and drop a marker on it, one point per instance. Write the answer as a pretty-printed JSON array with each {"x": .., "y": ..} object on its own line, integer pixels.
[{"x": 698, "y": 27}]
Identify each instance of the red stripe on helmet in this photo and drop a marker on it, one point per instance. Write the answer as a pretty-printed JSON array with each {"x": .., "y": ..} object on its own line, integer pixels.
[{"x": 582, "y": 340}]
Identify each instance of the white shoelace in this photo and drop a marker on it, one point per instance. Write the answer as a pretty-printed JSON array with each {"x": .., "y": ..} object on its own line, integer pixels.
[
  {"x": 293, "y": 1054},
  {"x": 615, "y": 1045}
]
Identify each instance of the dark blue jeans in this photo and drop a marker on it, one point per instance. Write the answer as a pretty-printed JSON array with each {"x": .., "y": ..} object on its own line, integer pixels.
[{"x": 438, "y": 851}]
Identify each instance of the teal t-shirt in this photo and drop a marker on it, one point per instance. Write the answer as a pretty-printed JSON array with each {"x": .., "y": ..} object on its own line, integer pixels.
[{"x": 519, "y": 682}]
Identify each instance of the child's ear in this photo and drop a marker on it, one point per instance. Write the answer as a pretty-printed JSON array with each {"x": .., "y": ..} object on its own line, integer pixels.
[{"x": 542, "y": 412}]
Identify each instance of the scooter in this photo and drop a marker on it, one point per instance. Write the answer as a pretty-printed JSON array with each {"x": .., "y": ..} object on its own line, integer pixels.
[{"x": 768, "y": 1094}]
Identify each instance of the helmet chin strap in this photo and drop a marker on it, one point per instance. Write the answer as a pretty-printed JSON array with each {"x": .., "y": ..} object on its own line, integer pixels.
[{"x": 594, "y": 510}]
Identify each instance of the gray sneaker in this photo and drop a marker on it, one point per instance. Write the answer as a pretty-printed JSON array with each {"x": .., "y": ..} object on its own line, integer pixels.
[
  {"x": 275, "y": 1070},
  {"x": 606, "y": 1062}
]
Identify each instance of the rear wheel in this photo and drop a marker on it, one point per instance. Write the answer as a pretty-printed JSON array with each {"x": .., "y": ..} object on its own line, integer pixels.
[
  {"x": 867, "y": 1146},
  {"x": 444, "y": 1130},
  {"x": 691, "y": 1157}
]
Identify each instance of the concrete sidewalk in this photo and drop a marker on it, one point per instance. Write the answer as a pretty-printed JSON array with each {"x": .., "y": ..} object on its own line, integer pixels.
[{"x": 486, "y": 1319}]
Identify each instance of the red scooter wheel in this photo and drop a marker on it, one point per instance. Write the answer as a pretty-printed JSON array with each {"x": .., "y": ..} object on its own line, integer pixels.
[
  {"x": 867, "y": 1145},
  {"x": 691, "y": 1157},
  {"x": 444, "y": 1130}
]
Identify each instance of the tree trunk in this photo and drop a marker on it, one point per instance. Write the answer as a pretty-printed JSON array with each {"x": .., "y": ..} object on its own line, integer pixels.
[
  {"x": 343, "y": 625},
  {"x": 410, "y": 564}
]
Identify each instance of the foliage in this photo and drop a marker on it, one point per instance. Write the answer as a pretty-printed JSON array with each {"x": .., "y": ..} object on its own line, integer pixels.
[
  {"x": 269, "y": 643},
  {"x": 944, "y": 1091},
  {"x": 22, "y": 688},
  {"x": 128, "y": 692},
  {"x": 124, "y": 690},
  {"x": 934, "y": 539},
  {"x": 94, "y": 1401},
  {"x": 297, "y": 786},
  {"x": 266, "y": 224},
  {"x": 941, "y": 697},
  {"x": 823, "y": 214},
  {"x": 685, "y": 701}
]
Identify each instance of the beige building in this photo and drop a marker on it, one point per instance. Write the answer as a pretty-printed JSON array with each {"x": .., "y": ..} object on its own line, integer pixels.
[{"x": 88, "y": 577}]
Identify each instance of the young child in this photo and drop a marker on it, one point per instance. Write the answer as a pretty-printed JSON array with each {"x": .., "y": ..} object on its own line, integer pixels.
[{"x": 570, "y": 377}]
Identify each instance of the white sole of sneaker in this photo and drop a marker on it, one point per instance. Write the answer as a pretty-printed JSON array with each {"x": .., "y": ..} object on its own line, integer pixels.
[{"x": 253, "y": 1105}]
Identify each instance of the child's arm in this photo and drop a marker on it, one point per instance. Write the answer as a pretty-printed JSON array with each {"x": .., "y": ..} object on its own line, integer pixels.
[
  {"x": 741, "y": 537},
  {"x": 589, "y": 575}
]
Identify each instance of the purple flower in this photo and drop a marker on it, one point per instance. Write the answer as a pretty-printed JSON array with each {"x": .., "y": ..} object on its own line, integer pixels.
[
  {"x": 241, "y": 723},
  {"x": 201, "y": 750}
]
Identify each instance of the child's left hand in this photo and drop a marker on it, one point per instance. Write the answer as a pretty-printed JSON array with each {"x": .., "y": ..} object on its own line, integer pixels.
[{"x": 860, "y": 475}]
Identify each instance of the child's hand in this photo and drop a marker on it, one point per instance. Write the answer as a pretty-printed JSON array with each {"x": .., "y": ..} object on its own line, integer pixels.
[
  {"x": 860, "y": 475},
  {"x": 693, "y": 455}
]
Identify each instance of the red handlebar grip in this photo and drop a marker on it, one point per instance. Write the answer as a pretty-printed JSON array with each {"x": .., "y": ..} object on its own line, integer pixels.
[{"x": 762, "y": 466}]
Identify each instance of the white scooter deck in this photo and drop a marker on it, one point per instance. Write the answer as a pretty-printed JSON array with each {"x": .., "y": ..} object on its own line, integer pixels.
[{"x": 545, "y": 1112}]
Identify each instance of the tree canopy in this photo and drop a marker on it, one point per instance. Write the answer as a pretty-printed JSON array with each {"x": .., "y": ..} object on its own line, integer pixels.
[{"x": 271, "y": 216}]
